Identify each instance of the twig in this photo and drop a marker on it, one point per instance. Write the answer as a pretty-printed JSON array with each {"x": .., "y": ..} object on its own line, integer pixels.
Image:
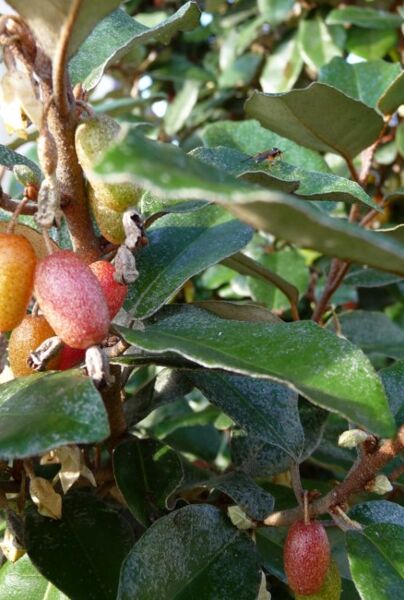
[
  {"x": 355, "y": 482},
  {"x": 11, "y": 205},
  {"x": 13, "y": 221},
  {"x": 342, "y": 520},
  {"x": 59, "y": 74},
  {"x": 297, "y": 482}
]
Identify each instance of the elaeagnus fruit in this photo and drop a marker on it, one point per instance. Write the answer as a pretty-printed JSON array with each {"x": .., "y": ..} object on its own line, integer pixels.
[
  {"x": 24, "y": 339},
  {"x": 331, "y": 588},
  {"x": 114, "y": 292}
]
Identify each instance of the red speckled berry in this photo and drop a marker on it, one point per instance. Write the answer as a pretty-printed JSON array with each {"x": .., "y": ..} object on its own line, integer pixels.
[
  {"x": 114, "y": 292},
  {"x": 306, "y": 557},
  {"x": 71, "y": 299},
  {"x": 70, "y": 357}
]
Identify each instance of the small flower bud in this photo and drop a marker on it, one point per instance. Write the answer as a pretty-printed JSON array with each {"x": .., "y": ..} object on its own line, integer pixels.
[
  {"x": 379, "y": 485},
  {"x": 25, "y": 175},
  {"x": 352, "y": 437}
]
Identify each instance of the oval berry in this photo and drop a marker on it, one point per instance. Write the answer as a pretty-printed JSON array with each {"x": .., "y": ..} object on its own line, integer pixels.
[
  {"x": 30, "y": 333},
  {"x": 17, "y": 267},
  {"x": 114, "y": 292},
  {"x": 71, "y": 299},
  {"x": 306, "y": 557},
  {"x": 109, "y": 221}
]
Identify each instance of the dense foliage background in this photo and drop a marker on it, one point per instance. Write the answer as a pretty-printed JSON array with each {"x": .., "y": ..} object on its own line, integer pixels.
[{"x": 267, "y": 318}]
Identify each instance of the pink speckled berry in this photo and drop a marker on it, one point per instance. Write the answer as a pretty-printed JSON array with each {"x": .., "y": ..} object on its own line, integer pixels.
[
  {"x": 71, "y": 299},
  {"x": 114, "y": 292}
]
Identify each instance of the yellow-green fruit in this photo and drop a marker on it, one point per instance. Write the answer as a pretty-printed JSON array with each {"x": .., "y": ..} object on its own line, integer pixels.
[
  {"x": 93, "y": 137},
  {"x": 26, "y": 338},
  {"x": 109, "y": 221},
  {"x": 331, "y": 588}
]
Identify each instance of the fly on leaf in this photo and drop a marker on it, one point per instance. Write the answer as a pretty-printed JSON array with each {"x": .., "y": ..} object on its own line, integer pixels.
[{"x": 269, "y": 155}]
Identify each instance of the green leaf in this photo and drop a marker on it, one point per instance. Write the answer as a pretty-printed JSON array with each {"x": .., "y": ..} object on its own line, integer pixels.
[
  {"x": 368, "y": 18},
  {"x": 378, "y": 511},
  {"x": 328, "y": 370},
  {"x": 316, "y": 42},
  {"x": 253, "y": 499},
  {"x": 208, "y": 558},
  {"x": 81, "y": 553},
  {"x": 393, "y": 381},
  {"x": 368, "y": 278},
  {"x": 43, "y": 411},
  {"x": 251, "y": 138},
  {"x": 146, "y": 473},
  {"x": 374, "y": 332},
  {"x": 181, "y": 107},
  {"x": 46, "y": 19},
  {"x": 282, "y": 67},
  {"x": 280, "y": 175},
  {"x": 180, "y": 246},
  {"x": 201, "y": 441},
  {"x": 393, "y": 96},
  {"x": 371, "y": 44},
  {"x": 376, "y": 559},
  {"x": 304, "y": 225},
  {"x": 271, "y": 555},
  {"x": 9, "y": 158},
  {"x": 264, "y": 409},
  {"x": 318, "y": 117},
  {"x": 365, "y": 81},
  {"x": 275, "y": 11},
  {"x": 20, "y": 580},
  {"x": 241, "y": 72},
  {"x": 118, "y": 34},
  {"x": 292, "y": 265}
]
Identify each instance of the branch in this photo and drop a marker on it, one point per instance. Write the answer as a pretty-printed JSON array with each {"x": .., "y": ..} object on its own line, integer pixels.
[
  {"x": 59, "y": 75},
  {"x": 355, "y": 482},
  {"x": 11, "y": 205}
]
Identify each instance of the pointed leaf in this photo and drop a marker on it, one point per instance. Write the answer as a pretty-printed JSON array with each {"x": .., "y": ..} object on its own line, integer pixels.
[
  {"x": 20, "y": 580},
  {"x": 9, "y": 158},
  {"x": 43, "y": 411},
  {"x": 369, "y": 18},
  {"x": 316, "y": 42},
  {"x": 393, "y": 381},
  {"x": 376, "y": 559},
  {"x": 326, "y": 369},
  {"x": 147, "y": 473},
  {"x": 208, "y": 558},
  {"x": 264, "y": 409},
  {"x": 393, "y": 96},
  {"x": 180, "y": 246},
  {"x": 319, "y": 117},
  {"x": 119, "y": 33},
  {"x": 282, "y": 67},
  {"x": 379, "y": 511},
  {"x": 82, "y": 553}
]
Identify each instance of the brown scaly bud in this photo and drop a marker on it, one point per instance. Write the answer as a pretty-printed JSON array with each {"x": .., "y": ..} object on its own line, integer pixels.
[
  {"x": 97, "y": 366},
  {"x": 49, "y": 212},
  {"x": 125, "y": 266}
]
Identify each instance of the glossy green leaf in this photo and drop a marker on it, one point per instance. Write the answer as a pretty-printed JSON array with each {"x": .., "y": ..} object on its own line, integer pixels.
[
  {"x": 43, "y": 411},
  {"x": 378, "y": 511},
  {"x": 376, "y": 559},
  {"x": 374, "y": 332},
  {"x": 368, "y": 278},
  {"x": 208, "y": 558},
  {"x": 201, "y": 441},
  {"x": 326, "y": 369},
  {"x": 81, "y": 553},
  {"x": 251, "y": 138},
  {"x": 304, "y": 225},
  {"x": 20, "y": 580},
  {"x": 119, "y": 33},
  {"x": 181, "y": 107},
  {"x": 46, "y": 18},
  {"x": 264, "y": 409},
  {"x": 292, "y": 266},
  {"x": 393, "y": 96},
  {"x": 271, "y": 554},
  {"x": 252, "y": 499},
  {"x": 365, "y": 81},
  {"x": 146, "y": 473},
  {"x": 180, "y": 246},
  {"x": 316, "y": 42},
  {"x": 368, "y": 18},
  {"x": 275, "y": 10},
  {"x": 241, "y": 72},
  {"x": 393, "y": 381},
  {"x": 318, "y": 117},
  {"x": 282, "y": 67},
  {"x": 371, "y": 44},
  {"x": 281, "y": 175},
  {"x": 9, "y": 158}
]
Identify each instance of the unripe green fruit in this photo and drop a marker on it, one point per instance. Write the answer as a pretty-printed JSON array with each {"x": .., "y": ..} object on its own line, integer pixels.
[
  {"x": 109, "y": 221},
  {"x": 17, "y": 266},
  {"x": 331, "y": 588},
  {"x": 93, "y": 137},
  {"x": 306, "y": 557},
  {"x": 114, "y": 292},
  {"x": 24, "y": 339},
  {"x": 71, "y": 299}
]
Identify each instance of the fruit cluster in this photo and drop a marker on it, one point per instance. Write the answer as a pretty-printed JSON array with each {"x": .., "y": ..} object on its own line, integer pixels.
[{"x": 77, "y": 302}]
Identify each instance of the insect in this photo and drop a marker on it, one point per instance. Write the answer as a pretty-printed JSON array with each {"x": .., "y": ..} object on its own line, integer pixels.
[{"x": 269, "y": 155}]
